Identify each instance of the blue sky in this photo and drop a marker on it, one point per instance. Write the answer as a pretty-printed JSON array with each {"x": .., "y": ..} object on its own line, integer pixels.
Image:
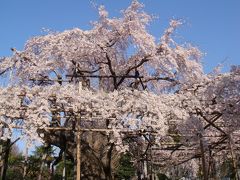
[{"x": 212, "y": 25}]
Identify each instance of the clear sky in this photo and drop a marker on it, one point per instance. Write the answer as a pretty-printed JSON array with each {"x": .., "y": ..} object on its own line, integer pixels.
[{"x": 212, "y": 25}]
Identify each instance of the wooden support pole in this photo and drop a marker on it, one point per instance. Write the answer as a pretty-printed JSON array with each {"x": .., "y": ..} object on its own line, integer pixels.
[
  {"x": 1, "y": 153},
  {"x": 235, "y": 169},
  {"x": 145, "y": 170},
  {"x": 1, "y": 158},
  {"x": 204, "y": 165},
  {"x": 210, "y": 168},
  {"x": 78, "y": 155},
  {"x": 78, "y": 139}
]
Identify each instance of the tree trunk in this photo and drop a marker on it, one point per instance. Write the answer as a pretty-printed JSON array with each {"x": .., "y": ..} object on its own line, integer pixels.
[
  {"x": 25, "y": 162},
  {"x": 52, "y": 171},
  {"x": 42, "y": 166},
  {"x": 5, "y": 162},
  {"x": 108, "y": 167},
  {"x": 64, "y": 168}
]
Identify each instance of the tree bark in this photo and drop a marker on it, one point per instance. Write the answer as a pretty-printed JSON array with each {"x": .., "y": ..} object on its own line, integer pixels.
[
  {"x": 25, "y": 162},
  {"x": 42, "y": 166},
  {"x": 5, "y": 161},
  {"x": 64, "y": 169},
  {"x": 108, "y": 167}
]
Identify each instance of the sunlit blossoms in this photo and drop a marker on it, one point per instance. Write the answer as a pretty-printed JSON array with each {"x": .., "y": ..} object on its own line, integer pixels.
[{"x": 143, "y": 96}]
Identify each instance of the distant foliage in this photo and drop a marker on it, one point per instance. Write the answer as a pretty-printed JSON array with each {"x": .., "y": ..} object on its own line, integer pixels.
[{"x": 125, "y": 169}]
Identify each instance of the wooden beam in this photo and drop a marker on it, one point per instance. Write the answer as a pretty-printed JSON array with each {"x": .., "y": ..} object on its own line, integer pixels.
[{"x": 107, "y": 76}]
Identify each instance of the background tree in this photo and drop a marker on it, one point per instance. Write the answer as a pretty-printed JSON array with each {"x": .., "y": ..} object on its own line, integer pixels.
[
  {"x": 15, "y": 162},
  {"x": 125, "y": 169}
]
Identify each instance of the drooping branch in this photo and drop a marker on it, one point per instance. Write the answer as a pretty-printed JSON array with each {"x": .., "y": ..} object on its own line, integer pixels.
[{"x": 142, "y": 61}]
